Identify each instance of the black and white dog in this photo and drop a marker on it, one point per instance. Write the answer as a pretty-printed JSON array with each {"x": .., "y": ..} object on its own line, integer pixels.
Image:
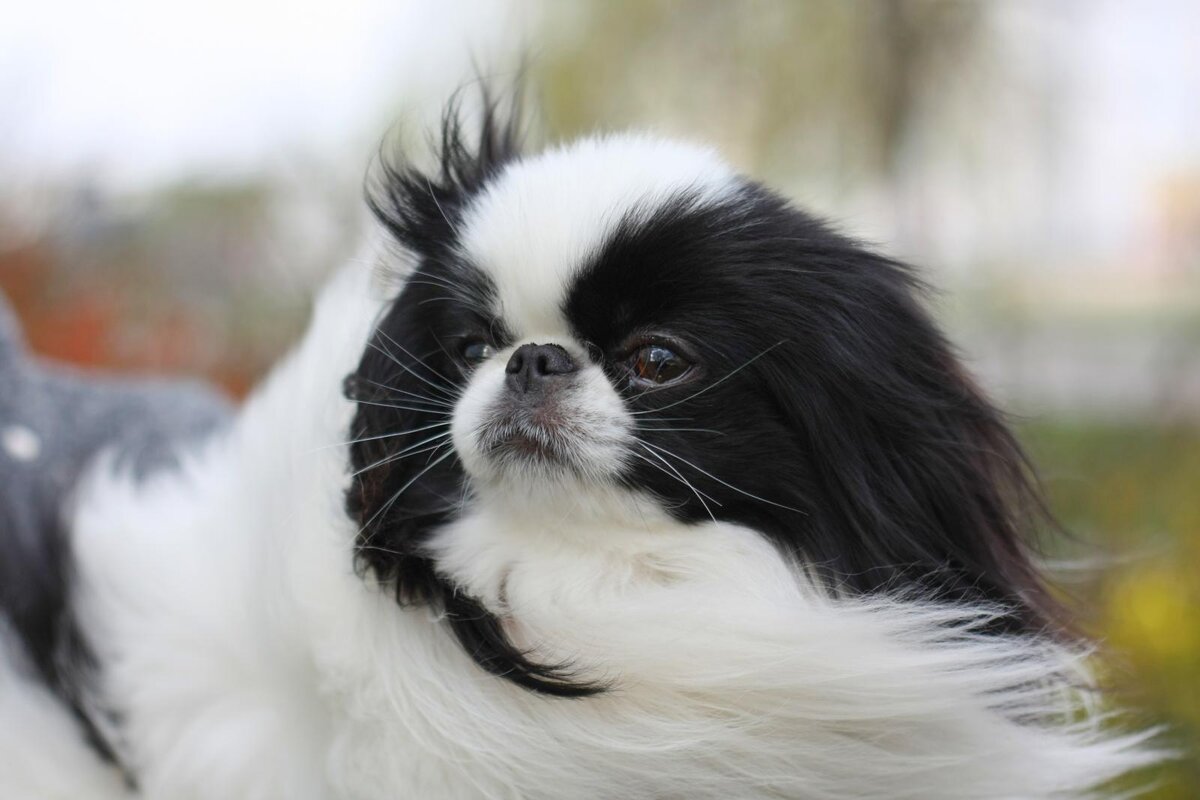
[{"x": 617, "y": 477}]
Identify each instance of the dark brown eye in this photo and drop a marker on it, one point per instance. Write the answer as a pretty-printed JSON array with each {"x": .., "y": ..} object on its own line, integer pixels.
[
  {"x": 477, "y": 352},
  {"x": 654, "y": 363}
]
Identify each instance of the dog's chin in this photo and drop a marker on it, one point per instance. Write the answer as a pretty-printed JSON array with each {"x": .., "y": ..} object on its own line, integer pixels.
[
  {"x": 523, "y": 450},
  {"x": 522, "y": 442},
  {"x": 522, "y": 467},
  {"x": 562, "y": 454}
]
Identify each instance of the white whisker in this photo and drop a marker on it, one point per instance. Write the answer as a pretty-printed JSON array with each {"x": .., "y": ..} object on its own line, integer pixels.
[
  {"x": 441, "y": 390},
  {"x": 699, "y": 495},
  {"x": 400, "y": 491},
  {"x": 449, "y": 384},
  {"x": 724, "y": 483},
  {"x": 381, "y": 436},
  {"x": 441, "y": 411},
  {"x": 417, "y": 397},
  {"x": 404, "y": 453}
]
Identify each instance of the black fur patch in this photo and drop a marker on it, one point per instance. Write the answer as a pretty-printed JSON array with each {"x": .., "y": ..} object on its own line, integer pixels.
[{"x": 833, "y": 415}]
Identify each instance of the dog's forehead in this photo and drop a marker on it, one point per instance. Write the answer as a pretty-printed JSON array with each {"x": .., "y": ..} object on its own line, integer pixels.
[{"x": 543, "y": 219}]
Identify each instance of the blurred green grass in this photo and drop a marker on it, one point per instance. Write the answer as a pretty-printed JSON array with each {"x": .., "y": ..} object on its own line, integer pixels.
[{"x": 1130, "y": 496}]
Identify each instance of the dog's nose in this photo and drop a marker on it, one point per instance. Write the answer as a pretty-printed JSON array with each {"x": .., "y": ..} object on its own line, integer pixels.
[{"x": 534, "y": 365}]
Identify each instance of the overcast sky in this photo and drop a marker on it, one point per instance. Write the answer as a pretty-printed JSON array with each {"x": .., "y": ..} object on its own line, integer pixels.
[
  {"x": 137, "y": 93},
  {"x": 143, "y": 91}
]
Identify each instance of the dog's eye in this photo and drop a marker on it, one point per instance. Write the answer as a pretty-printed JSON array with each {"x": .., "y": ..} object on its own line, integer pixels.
[
  {"x": 654, "y": 363},
  {"x": 476, "y": 352}
]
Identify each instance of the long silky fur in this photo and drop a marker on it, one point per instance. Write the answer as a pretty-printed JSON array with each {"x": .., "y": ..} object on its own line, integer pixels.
[
  {"x": 243, "y": 609},
  {"x": 291, "y": 678}
]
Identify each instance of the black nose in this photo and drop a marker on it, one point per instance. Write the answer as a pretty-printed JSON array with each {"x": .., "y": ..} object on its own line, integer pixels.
[{"x": 532, "y": 365}]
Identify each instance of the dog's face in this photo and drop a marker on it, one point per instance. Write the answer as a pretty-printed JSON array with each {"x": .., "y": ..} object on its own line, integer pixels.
[
  {"x": 609, "y": 337},
  {"x": 624, "y": 332}
]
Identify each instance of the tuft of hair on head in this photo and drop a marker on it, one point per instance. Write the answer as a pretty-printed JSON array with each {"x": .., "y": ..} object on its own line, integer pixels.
[{"x": 422, "y": 207}]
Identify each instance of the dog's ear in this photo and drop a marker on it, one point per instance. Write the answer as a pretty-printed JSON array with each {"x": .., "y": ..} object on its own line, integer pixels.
[
  {"x": 398, "y": 434},
  {"x": 913, "y": 476}
]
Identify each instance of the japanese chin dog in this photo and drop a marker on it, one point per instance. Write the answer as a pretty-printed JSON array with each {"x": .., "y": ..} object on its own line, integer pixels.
[{"x": 613, "y": 474}]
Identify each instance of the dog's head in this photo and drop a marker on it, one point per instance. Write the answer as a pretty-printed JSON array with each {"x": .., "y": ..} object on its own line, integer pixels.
[{"x": 623, "y": 336}]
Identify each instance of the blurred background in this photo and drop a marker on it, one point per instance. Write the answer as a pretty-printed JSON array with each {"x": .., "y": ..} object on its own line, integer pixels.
[{"x": 177, "y": 178}]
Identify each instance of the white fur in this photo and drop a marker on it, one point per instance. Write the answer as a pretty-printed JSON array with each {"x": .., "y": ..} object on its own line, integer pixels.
[
  {"x": 247, "y": 660},
  {"x": 535, "y": 226},
  {"x": 42, "y": 751}
]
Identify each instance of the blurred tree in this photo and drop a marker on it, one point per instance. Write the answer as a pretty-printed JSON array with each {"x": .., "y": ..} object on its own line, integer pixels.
[{"x": 789, "y": 89}]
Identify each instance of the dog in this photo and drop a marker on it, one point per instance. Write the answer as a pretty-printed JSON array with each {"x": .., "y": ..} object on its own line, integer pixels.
[{"x": 611, "y": 474}]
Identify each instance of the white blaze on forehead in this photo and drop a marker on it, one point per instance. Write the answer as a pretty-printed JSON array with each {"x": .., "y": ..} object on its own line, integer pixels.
[{"x": 537, "y": 225}]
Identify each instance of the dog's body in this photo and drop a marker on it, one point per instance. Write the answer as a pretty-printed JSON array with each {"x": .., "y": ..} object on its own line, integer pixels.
[{"x": 574, "y": 620}]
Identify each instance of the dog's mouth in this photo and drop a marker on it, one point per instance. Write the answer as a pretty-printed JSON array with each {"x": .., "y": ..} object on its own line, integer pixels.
[
  {"x": 549, "y": 438},
  {"x": 529, "y": 436},
  {"x": 522, "y": 445}
]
